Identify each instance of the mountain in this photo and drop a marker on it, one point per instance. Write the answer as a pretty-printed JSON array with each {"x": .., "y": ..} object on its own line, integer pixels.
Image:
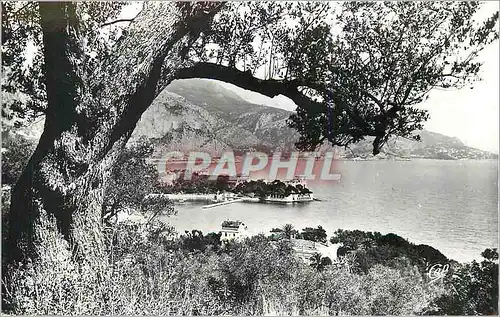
[
  {"x": 202, "y": 115},
  {"x": 266, "y": 124},
  {"x": 432, "y": 146}
]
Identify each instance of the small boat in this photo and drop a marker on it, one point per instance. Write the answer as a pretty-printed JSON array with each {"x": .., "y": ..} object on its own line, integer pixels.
[{"x": 181, "y": 201}]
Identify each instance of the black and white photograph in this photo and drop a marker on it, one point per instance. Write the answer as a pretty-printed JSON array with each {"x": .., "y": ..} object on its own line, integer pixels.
[{"x": 276, "y": 158}]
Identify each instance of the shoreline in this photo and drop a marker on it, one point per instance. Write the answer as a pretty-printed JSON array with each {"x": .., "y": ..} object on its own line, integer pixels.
[{"x": 230, "y": 197}]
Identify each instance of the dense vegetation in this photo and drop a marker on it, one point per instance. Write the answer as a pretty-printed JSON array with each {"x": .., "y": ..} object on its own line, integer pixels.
[
  {"x": 202, "y": 183},
  {"x": 276, "y": 187},
  {"x": 373, "y": 248},
  {"x": 312, "y": 234},
  {"x": 153, "y": 271},
  {"x": 472, "y": 288}
]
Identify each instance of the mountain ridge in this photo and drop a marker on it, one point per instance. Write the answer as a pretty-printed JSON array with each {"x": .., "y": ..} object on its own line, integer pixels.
[{"x": 200, "y": 114}]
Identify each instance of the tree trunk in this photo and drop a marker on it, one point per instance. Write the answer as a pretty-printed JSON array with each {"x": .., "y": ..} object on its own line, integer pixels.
[{"x": 55, "y": 219}]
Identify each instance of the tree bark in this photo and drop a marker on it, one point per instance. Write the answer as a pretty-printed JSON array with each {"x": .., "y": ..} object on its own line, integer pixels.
[{"x": 55, "y": 217}]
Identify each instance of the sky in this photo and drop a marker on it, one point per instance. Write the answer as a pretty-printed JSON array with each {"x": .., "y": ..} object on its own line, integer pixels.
[{"x": 470, "y": 114}]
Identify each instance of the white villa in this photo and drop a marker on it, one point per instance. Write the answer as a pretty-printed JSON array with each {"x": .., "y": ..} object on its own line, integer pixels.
[
  {"x": 292, "y": 198},
  {"x": 233, "y": 230}
]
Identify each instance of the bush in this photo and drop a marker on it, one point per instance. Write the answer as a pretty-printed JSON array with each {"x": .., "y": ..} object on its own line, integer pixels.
[
  {"x": 16, "y": 151},
  {"x": 314, "y": 234},
  {"x": 373, "y": 248},
  {"x": 132, "y": 179}
]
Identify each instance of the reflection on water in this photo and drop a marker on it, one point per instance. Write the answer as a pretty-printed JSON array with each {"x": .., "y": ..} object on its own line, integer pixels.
[{"x": 450, "y": 205}]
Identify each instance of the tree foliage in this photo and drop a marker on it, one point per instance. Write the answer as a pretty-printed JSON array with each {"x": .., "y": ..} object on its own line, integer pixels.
[
  {"x": 385, "y": 60},
  {"x": 23, "y": 82},
  {"x": 355, "y": 70},
  {"x": 472, "y": 288},
  {"x": 132, "y": 179},
  {"x": 313, "y": 234},
  {"x": 319, "y": 262},
  {"x": 16, "y": 151},
  {"x": 262, "y": 189},
  {"x": 371, "y": 248},
  {"x": 289, "y": 231}
]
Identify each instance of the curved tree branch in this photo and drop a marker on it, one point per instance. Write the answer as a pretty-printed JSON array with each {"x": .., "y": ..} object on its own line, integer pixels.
[
  {"x": 245, "y": 80},
  {"x": 290, "y": 89}
]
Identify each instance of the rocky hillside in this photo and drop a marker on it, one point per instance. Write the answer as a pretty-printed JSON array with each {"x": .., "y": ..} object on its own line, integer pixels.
[{"x": 202, "y": 115}]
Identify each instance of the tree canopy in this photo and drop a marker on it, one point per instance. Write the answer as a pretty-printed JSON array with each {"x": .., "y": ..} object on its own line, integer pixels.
[{"x": 354, "y": 69}]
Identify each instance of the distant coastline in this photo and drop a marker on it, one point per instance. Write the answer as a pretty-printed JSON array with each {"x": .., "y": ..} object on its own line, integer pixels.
[{"x": 403, "y": 159}]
